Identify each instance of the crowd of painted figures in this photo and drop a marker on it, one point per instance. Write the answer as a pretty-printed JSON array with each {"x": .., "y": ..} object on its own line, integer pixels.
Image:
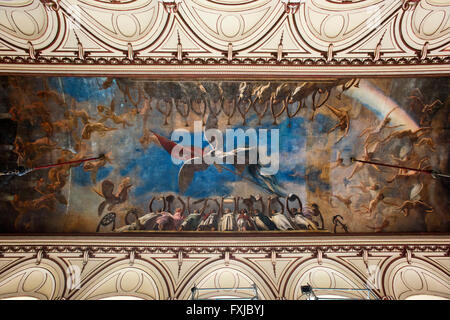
[{"x": 213, "y": 214}]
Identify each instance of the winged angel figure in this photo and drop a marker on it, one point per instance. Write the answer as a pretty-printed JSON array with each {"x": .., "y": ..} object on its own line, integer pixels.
[{"x": 197, "y": 159}]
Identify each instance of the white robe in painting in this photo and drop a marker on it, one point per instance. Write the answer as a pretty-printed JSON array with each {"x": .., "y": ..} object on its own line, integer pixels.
[
  {"x": 303, "y": 222},
  {"x": 148, "y": 221},
  {"x": 210, "y": 222},
  {"x": 228, "y": 222},
  {"x": 246, "y": 222},
  {"x": 281, "y": 221}
]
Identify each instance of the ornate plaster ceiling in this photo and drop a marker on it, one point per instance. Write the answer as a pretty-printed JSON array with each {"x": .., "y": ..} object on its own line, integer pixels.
[
  {"x": 202, "y": 35},
  {"x": 111, "y": 268}
]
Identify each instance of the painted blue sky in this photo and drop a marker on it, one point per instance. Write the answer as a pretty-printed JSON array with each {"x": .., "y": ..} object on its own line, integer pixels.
[
  {"x": 306, "y": 157},
  {"x": 153, "y": 166},
  {"x": 155, "y": 171},
  {"x": 159, "y": 174}
]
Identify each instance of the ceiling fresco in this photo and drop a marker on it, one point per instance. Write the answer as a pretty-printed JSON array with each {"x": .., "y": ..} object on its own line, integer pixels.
[{"x": 280, "y": 156}]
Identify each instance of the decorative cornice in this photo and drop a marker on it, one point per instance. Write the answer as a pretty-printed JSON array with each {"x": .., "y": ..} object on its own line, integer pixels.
[
  {"x": 321, "y": 34},
  {"x": 265, "y": 61},
  {"x": 233, "y": 71},
  {"x": 82, "y": 267},
  {"x": 111, "y": 244}
]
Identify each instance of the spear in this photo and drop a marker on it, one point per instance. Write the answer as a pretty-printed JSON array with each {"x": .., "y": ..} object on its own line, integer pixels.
[
  {"x": 433, "y": 173},
  {"x": 26, "y": 171}
]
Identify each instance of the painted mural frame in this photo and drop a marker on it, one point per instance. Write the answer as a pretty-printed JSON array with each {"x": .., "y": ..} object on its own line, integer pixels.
[{"x": 244, "y": 72}]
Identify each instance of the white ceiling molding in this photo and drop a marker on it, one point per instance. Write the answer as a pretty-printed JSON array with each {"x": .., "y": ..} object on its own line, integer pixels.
[
  {"x": 102, "y": 267},
  {"x": 391, "y": 37}
]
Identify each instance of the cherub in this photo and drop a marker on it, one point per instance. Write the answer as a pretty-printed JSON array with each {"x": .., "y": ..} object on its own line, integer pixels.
[
  {"x": 44, "y": 188},
  {"x": 112, "y": 199},
  {"x": 145, "y": 111},
  {"x": 80, "y": 114},
  {"x": 81, "y": 148},
  {"x": 60, "y": 179},
  {"x": 370, "y": 210},
  {"x": 401, "y": 172},
  {"x": 325, "y": 196},
  {"x": 19, "y": 148},
  {"x": 65, "y": 125},
  {"x": 47, "y": 127},
  {"x": 30, "y": 112},
  {"x": 38, "y": 110},
  {"x": 344, "y": 121},
  {"x": 426, "y": 108},
  {"x": 339, "y": 161},
  {"x": 30, "y": 151},
  {"x": 346, "y": 84},
  {"x": 365, "y": 188},
  {"x": 265, "y": 94},
  {"x": 169, "y": 107},
  {"x": 372, "y": 132},
  {"x": 109, "y": 113},
  {"x": 368, "y": 156},
  {"x": 139, "y": 99},
  {"x": 412, "y": 204},
  {"x": 283, "y": 94},
  {"x": 91, "y": 127},
  {"x": 383, "y": 124},
  {"x": 195, "y": 98},
  {"x": 42, "y": 144},
  {"x": 147, "y": 138},
  {"x": 345, "y": 200},
  {"x": 427, "y": 142},
  {"x": 23, "y": 207},
  {"x": 373, "y": 146},
  {"x": 413, "y": 135},
  {"x": 70, "y": 156},
  {"x": 14, "y": 111},
  {"x": 94, "y": 166}
]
